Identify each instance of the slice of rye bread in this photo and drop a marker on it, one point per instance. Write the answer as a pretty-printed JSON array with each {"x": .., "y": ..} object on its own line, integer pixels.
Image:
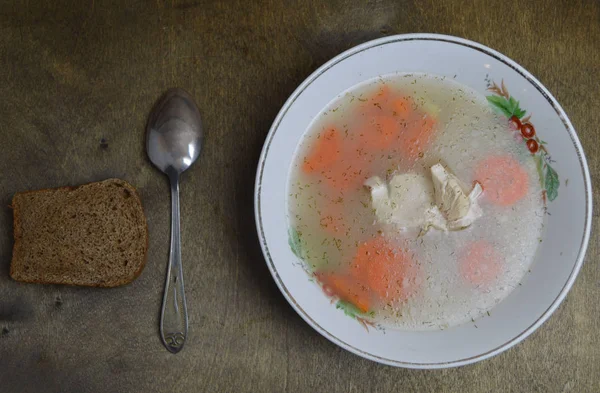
[{"x": 91, "y": 235}]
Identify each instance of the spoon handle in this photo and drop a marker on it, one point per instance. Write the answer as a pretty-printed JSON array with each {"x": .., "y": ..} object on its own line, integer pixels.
[{"x": 173, "y": 318}]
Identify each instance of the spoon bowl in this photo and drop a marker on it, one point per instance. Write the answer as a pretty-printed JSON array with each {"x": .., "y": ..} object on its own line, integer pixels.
[{"x": 175, "y": 134}]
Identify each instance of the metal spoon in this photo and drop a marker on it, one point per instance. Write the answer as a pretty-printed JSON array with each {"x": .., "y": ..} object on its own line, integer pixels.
[{"x": 174, "y": 139}]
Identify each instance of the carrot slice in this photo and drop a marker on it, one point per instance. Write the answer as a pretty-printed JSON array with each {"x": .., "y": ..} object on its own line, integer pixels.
[
  {"x": 351, "y": 170},
  {"x": 324, "y": 152},
  {"x": 383, "y": 94},
  {"x": 378, "y": 102},
  {"x": 479, "y": 263},
  {"x": 417, "y": 136},
  {"x": 387, "y": 103},
  {"x": 402, "y": 107},
  {"x": 390, "y": 272},
  {"x": 380, "y": 132},
  {"x": 346, "y": 288},
  {"x": 503, "y": 179}
]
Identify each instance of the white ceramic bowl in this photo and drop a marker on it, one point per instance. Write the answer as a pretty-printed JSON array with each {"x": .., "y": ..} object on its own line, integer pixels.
[{"x": 559, "y": 257}]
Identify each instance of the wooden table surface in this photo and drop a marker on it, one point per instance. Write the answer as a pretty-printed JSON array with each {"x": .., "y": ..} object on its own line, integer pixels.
[{"x": 77, "y": 80}]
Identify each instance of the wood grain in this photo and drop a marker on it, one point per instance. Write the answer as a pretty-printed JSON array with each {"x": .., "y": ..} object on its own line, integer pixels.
[{"x": 77, "y": 80}]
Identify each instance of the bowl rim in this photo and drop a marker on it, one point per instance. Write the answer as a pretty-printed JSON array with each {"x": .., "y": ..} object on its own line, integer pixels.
[{"x": 539, "y": 87}]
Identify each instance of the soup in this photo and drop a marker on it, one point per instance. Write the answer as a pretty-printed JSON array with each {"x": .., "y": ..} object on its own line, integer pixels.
[{"x": 414, "y": 204}]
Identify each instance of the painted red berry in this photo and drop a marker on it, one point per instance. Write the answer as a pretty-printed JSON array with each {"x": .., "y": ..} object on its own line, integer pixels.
[
  {"x": 532, "y": 145},
  {"x": 527, "y": 130},
  {"x": 514, "y": 123}
]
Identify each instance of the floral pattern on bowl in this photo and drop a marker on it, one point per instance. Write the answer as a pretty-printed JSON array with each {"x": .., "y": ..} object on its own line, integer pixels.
[{"x": 524, "y": 130}]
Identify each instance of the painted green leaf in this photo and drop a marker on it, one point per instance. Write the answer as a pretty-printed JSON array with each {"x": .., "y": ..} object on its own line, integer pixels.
[
  {"x": 539, "y": 166},
  {"x": 551, "y": 183},
  {"x": 515, "y": 109},
  {"x": 520, "y": 113},
  {"x": 512, "y": 104},
  {"x": 294, "y": 242},
  {"x": 348, "y": 308},
  {"x": 508, "y": 107},
  {"x": 501, "y": 104}
]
